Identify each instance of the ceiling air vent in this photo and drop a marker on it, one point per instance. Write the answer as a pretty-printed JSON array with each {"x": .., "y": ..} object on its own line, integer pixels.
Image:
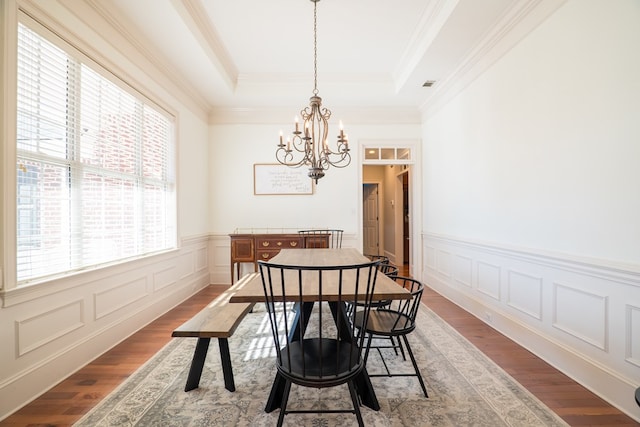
[{"x": 428, "y": 83}]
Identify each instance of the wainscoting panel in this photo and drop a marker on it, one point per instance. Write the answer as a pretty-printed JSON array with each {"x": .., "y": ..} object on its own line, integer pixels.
[
  {"x": 164, "y": 277},
  {"x": 489, "y": 279},
  {"x": 430, "y": 257},
  {"x": 581, "y": 316},
  {"x": 443, "y": 260},
  {"x": 633, "y": 335},
  {"x": 463, "y": 270},
  {"x": 186, "y": 264},
  {"x": 201, "y": 259},
  {"x": 524, "y": 293},
  {"x": 220, "y": 254},
  {"x": 116, "y": 297},
  {"x": 220, "y": 259},
  {"x": 35, "y": 331}
]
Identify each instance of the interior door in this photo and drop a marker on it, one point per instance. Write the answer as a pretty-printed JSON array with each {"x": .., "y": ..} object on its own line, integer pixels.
[{"x": 370, "y": 220}]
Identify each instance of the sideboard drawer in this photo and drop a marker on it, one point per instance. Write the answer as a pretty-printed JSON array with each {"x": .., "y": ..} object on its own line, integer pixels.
[
  {"x": 266, "y": 254},
  {"x": 278, "y": 243}
]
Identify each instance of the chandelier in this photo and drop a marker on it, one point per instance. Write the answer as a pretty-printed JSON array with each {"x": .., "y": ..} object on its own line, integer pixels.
[{"x": 309, "y": 146}]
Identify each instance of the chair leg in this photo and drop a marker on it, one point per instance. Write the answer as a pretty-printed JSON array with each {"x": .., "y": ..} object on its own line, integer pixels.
[
  {"x": 356, "y": 404},
  {"x": 393, "y": 345},
  {"x": 366, "y": 351},
  {"x": 285, "y": 399},
  {"x": 384, "y": 362},
  {"x": 404, "y": 357},
  {"x": 415, "y": 365}
]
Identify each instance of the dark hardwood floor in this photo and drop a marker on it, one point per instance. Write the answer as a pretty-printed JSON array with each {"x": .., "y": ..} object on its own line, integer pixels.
[{"x": 68, "y": 401}]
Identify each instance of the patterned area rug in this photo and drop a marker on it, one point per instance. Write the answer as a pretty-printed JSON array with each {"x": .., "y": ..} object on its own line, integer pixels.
[{"x": 465, "y": 387}]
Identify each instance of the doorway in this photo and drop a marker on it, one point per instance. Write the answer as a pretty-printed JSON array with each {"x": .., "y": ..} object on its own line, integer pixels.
[
  {"x": 394, "y": 166},
  {"x": 386, "y": 212}
]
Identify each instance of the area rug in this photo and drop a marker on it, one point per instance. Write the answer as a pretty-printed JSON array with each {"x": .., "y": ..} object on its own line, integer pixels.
[{"x": 465, "y": 387}]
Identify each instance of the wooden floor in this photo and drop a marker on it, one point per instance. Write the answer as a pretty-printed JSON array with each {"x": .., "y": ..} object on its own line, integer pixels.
[{"x": 68, "y": 401}]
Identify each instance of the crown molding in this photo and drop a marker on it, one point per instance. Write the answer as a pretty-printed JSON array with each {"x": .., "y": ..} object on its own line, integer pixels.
[
  {"x": 195, "y": 18},
  {"x": 522, "y": 18},
  {"x": 120, "y": 36},
  {"x": 429, "y": 27}
]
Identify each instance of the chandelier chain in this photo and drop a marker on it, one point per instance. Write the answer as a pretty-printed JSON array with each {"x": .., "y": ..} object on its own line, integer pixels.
[{"x": 315, "y": 48}]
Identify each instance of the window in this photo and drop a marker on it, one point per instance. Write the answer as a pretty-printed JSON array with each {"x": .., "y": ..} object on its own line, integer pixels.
[{"x": 95, "y": 164}]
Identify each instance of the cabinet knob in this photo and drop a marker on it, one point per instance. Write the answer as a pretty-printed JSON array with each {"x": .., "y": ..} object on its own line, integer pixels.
[
  {"x": 265, "y": 255},
  {"x": 279, "y": 243},
  {"x": 265, "y": 244},
  {"x": 294, "y": 244}
]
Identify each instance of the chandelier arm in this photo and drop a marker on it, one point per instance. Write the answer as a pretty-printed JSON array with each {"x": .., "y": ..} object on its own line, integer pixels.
[
  {"x": 298, "y": 144},
  {"x": 286, "y": 158}
]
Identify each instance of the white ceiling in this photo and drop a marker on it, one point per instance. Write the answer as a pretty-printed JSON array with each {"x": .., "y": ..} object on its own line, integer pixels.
[{"x": 259, "y": 53}]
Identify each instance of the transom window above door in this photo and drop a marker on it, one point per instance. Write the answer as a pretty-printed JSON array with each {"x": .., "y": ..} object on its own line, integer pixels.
[{"x": 386, "y": 155}]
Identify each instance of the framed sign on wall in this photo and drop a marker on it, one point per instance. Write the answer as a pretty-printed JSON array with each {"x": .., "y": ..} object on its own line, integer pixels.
[{"x": 269, "y": 179}]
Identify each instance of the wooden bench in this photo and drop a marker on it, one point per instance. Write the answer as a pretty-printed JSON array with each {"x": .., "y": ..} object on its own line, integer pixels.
[{"x": 218, "y": 320}]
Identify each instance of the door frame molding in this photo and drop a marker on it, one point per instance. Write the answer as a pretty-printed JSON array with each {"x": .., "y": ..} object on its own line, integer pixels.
[
  {"x": 415, "y": 196},
  {"x": 399, "y": 212}
]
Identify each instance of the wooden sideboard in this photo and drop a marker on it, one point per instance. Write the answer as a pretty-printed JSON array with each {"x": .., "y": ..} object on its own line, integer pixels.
[{"x": 253, "y": 247}]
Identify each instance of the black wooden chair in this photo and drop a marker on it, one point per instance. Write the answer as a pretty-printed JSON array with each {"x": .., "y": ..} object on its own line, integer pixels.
[
  {"x": 388, "y": 269},
  {"x": 396, "y": 320},
  {"x": 315, "y": 347},
  {"x": 316, "y": 238},
  {"x": 382, "y": 258}
]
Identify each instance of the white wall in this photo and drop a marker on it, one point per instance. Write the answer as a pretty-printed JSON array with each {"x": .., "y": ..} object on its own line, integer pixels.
[
  {"x": 234, "y": 148},
  {"x": 50, "y": 330},
  {"x": 532, "y": 195},
  {"x": 193, "y": 175},
  {"x": 337, "y": 198},
  {"x": 542, "y": 151}
]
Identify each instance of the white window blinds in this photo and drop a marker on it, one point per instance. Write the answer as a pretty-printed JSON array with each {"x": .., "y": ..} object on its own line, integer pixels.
[{"x": 95, "y": 165}]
